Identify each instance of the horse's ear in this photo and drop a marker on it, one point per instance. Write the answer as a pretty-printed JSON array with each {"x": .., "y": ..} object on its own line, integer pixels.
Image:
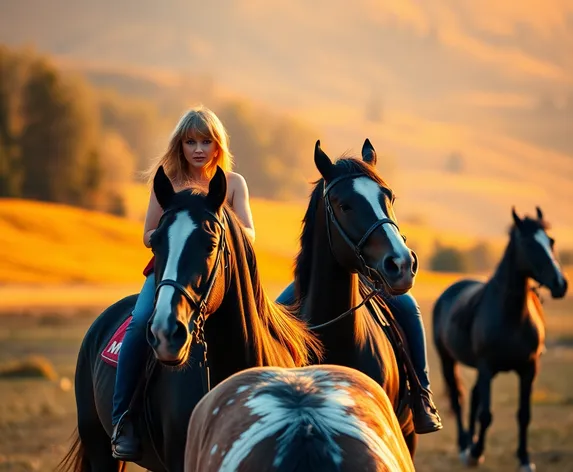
[
  {"x": 516, "y": 219},
  {"x": 369, "y": 153},
  {"x": 539, "y": 214},
  {"x": 323, "y": 162},
  {"x": 217, "y": 190},
  {"x": 163, "y": 188}
]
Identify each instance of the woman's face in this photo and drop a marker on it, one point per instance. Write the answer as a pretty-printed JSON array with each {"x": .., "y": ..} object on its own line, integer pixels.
[{"x": 199, "y": 150}]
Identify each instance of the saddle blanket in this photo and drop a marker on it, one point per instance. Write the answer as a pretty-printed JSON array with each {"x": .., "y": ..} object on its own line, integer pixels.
[{"x": 110, "y": 354}]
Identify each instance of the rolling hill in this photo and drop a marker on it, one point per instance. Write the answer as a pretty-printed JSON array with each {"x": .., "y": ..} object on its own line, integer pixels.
[
  {"x": 491, "y": 83},
  {"x": 55, "y": 255},
  {"x": 47, "y": 243}
]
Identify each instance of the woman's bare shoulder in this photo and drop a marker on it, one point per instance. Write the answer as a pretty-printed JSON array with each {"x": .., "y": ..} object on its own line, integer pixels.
[
  {"x": 234, "y": 178},
  {"x": 235, "y": 181},
  {"x": 236, "y": 186}
]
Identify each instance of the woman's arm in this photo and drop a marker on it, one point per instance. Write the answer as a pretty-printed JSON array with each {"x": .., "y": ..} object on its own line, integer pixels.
[
  {"x": 242, "y": 206},
  {"x": 154, "y": 212}
]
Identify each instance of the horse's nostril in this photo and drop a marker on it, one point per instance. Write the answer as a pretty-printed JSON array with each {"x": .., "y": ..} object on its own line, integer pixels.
[
  {"x": 414, "y": 262},
  {"x": 390, "y": 265},
  {"x": 180, "y": 335}
]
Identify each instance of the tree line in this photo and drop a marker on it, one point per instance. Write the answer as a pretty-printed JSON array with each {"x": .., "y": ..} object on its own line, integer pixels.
[{"x": 66, "y": 138}]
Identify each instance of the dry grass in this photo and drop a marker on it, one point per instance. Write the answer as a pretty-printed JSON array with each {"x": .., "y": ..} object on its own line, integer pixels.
[
  {"x": 35, "y": 367},
  {"x": 42, "y": 243},
  {"x": 37, "y": 417},
  {"x": 48, "y": 243}
]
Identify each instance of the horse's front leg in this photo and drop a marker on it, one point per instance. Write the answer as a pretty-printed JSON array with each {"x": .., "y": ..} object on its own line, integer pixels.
[
  {"x": 526, "y": 378},
  {"x": 474, "y": 404},
  {"x": 485, "y": 417}
]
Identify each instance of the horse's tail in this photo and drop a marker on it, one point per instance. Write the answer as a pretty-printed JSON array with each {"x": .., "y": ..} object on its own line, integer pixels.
[
  {"x": 91, "y": 447},
  {"x": 76, "y": 459}
]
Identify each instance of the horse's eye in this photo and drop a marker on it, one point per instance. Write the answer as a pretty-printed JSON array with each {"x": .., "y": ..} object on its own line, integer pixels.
[
  {"x": 211, "y": 245},
  {"x": 344, "y": 207}
]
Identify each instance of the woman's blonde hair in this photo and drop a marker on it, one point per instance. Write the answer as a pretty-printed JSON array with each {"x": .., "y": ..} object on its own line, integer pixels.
[{"x": 202, "y": 122}]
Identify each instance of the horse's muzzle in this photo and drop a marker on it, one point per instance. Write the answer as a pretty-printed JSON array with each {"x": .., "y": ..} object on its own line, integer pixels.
[
  {"x": 399, "y": 271},
  {"x": 559, "y": 288},
  {"x": 169, "y": 339}
]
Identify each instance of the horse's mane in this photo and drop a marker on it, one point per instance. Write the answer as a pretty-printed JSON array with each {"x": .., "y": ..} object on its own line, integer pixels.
[
  {"x": 303, "y": 263},
  {"x": 530, "y": 225},
  {"x": 270, "y": 330}
]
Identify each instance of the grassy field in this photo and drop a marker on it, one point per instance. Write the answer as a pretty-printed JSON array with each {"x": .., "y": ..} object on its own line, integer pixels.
[
  {"x": 49, "y": 244},
  {"x": 37, "y": 415}
]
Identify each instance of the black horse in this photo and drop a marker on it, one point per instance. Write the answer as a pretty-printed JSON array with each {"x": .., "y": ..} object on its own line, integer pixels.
[
  {"x": 350, "y": 228},
  {"x": 498, "y": 326},
  {"x": 207, "y": 279}
]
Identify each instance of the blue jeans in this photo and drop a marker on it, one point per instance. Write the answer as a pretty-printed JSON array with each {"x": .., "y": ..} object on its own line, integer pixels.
[
  {"x": 407, "y": 312},
  {"x": 131, "y": 361}
]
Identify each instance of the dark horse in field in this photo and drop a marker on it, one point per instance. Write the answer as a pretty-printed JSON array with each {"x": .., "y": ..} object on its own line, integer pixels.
[
  {"x": 350, "y": 228},
  {"x": 325, "y": 418},
  {"x": 207, "y": 280},
  {"x": 498, "y": 326}
]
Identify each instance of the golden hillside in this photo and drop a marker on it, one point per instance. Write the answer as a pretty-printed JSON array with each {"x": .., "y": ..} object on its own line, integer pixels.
[
  {"x": 278, "y": 225},
  {"x": 50, "y": 243},
  {"x": 46, "y": 249}
]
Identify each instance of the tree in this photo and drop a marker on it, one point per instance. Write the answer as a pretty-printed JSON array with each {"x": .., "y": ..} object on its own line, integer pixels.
[
  {"x": 11, "y": 69},
  {"x": 566, "y": 257},
  {"x": 136, "y": 121},
  {"x": 455, "y": 163},
  {"x": 247, "y": 142},
  {"x": 59, "y": 136},
  {"x": 448, "y": 259},
  {"x": 481, "y": 257}
]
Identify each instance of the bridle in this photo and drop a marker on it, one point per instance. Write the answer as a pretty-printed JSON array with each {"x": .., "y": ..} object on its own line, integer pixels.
[
  {"x": 201, "y": 304},
  {"x": 199, "y": 317},
  {"x": 364, "y": 268},
  {"x": 378, "y": 280}
]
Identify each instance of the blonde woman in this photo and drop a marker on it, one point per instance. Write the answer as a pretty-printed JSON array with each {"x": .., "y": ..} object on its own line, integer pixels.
[{"x": 197, "y": 146}]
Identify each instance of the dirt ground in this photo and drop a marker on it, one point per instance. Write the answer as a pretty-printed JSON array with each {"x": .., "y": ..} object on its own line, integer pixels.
[{"x": 37, "y": 416}]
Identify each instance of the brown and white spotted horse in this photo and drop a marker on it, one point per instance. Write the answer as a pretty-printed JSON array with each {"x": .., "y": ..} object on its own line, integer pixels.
[{"x": 320, "y": 418}]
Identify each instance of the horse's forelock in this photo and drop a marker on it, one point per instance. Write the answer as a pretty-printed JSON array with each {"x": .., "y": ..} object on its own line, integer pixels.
[
  {"x": 353, "y": 165},
  {"x": 531, "y": 225}
]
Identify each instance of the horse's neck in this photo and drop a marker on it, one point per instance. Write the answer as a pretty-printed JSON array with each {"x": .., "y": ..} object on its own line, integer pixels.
[
  {"x": 355, "y": 340},
  {"x": 332, "y": 291},
  {"x": 511, "y": 285}
]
